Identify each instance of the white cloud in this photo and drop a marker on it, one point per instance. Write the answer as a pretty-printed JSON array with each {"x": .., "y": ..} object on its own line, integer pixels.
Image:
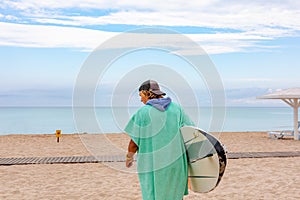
[
  {"x": 245, "y": 15},
  {"x": 11, "y": 17},
  {"x": 50, "y": 36},
  {"x": 248, "y": 97},
  {"x": 87, "y": 39},
  {"x": 240, "y": 15},
  {"x": 262, "y": 81},
  {"x": 252, "y": 22},
  {"x": 109, "y": 4}
]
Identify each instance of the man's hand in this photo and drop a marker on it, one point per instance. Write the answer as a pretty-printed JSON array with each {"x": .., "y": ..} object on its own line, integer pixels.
[{"x": 129, "y": 159}]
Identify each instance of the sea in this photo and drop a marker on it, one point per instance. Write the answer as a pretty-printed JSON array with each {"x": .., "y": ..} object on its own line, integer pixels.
[{"x": 46, "y": 120}]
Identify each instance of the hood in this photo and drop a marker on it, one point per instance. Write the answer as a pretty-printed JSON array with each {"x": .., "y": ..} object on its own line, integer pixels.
[{"x": 160, "y": 104}]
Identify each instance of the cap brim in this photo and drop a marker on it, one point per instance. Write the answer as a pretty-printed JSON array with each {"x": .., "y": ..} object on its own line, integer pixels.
[{"x": 158, "y": 92}]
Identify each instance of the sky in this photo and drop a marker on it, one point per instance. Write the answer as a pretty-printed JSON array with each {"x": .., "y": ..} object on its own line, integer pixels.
[{"x": 254, "y": 45}]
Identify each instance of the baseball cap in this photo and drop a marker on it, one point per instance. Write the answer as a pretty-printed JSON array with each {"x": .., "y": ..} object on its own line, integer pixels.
[{"x": 151, "y": 85}]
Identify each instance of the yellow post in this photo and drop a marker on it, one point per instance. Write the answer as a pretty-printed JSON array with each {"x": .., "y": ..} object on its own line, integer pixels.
[{"x": 58, "y": 133}]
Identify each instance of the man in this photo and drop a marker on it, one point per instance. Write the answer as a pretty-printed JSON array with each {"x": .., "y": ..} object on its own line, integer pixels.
[{"x": 155, "y": 134}]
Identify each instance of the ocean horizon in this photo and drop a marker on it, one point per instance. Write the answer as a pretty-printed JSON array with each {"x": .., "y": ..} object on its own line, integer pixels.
[{"x": 45, "y": 120}]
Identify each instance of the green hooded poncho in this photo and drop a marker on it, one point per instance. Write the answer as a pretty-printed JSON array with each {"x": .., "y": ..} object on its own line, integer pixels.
[{"x": 161, "y": 161}]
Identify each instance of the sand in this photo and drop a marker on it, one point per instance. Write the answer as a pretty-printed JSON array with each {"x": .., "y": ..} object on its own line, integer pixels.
[{"x": 255, "y": 178}]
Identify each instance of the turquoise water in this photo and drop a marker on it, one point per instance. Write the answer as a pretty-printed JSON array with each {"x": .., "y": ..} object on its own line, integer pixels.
[{"x": 40, "y": 120}]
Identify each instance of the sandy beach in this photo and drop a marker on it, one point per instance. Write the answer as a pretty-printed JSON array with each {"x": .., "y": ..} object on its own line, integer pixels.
[{"x": 251, "y": 178}]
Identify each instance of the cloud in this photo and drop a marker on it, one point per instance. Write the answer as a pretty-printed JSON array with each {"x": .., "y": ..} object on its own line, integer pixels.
[
  {"x": 46, "y": 36},
  {"x": 231, "y": 26},
  {"x": 248, "y": 97},
  {"x": 284, "y": 82},
  {"x": 50, "y": 36},
  {"x": 239, "y": 15},
  {"x": 109, "y": 4}
]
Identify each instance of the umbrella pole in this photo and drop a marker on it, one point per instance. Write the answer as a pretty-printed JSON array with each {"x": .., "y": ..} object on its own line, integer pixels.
[{"x": 295, "y": 106}]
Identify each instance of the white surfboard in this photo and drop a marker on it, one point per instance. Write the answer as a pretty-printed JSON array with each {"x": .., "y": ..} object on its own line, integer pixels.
[{"x": 206, "y": 159}]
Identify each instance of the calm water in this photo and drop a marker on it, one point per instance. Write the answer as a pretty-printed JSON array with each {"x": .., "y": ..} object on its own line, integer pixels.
[{"x": 32, "y": 120}]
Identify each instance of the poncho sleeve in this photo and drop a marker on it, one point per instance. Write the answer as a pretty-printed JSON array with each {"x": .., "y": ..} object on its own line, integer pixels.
[
  {"x": 185, "y": 120},
  {"x": 135, "y": 125}
]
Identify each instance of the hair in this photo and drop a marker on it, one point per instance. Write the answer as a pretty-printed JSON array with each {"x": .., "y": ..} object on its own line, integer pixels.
[{"x": 151, "y": 95}]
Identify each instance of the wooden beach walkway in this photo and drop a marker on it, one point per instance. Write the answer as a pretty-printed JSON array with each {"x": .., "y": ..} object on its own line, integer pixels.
[{"x": 121, "y": 158}]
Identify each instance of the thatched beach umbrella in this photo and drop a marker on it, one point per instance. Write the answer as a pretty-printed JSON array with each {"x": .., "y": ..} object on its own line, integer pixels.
[{"x": 291, "y": 97}]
